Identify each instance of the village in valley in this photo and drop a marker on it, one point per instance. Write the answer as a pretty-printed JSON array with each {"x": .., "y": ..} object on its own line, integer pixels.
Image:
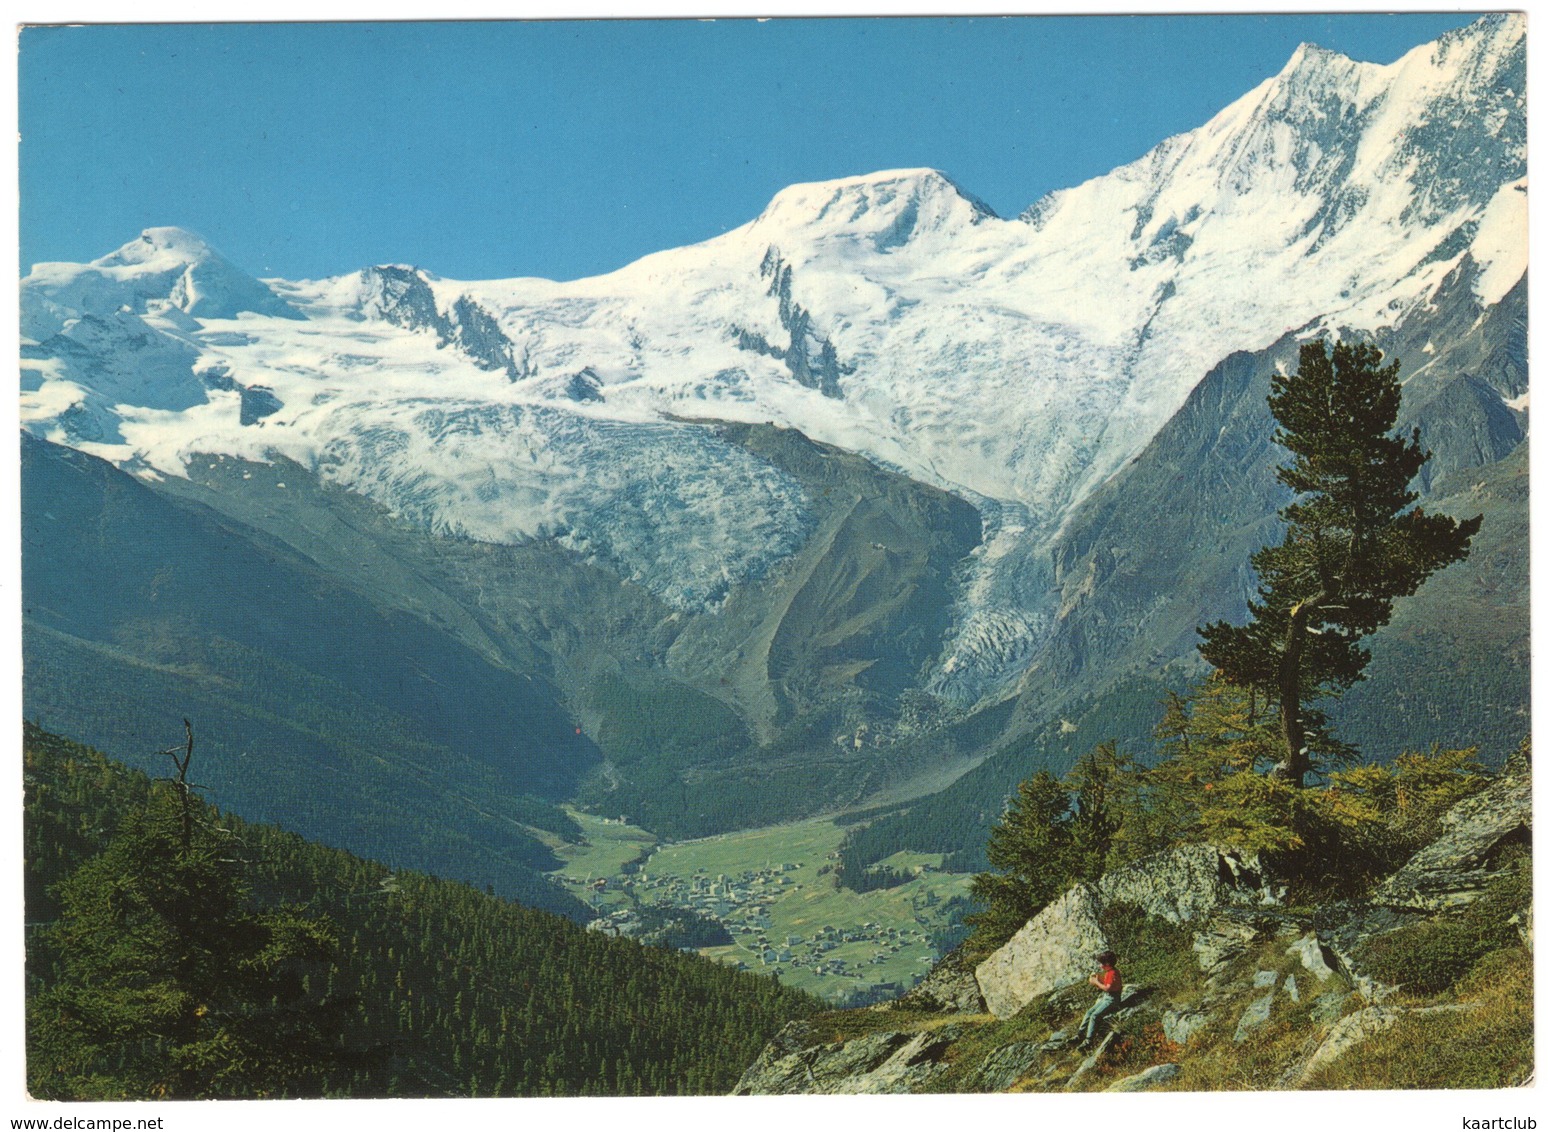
[{"x": 768, "y": 901}]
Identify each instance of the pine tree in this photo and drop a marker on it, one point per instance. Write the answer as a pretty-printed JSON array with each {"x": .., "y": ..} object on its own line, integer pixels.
[
  {"x": 1095, "y": 781},
  {"x": 1354, "y": 542},
  {"x": 170, "y": 984},
  {"x": 1029, "y": 856}
]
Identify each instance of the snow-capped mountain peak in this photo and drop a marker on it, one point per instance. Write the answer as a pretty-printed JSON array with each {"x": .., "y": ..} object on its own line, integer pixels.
[
  {"x": 884, "y": 210},
  {"x": 1018, "y": 362},
  {"x": 159, "y": 249},
  {"x": 164, "y": 269}
]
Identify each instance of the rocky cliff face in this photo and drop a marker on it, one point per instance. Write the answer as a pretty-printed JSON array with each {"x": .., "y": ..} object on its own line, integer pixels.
[
  {"x": 1222, "y": 973},
  {"x": 403, "y": 297}
]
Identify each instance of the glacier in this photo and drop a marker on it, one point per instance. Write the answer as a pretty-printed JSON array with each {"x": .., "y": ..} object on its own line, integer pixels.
[{"x": 1018, "y": 362}]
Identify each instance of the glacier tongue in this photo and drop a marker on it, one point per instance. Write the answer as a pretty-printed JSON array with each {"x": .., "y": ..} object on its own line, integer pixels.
[
  {"x": 1019, "y": 362},
  {"x": 670, "y": 507}
]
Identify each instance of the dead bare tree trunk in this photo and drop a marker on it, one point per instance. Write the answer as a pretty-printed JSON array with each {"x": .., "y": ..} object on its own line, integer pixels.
[{"x": 184, "y": 787}]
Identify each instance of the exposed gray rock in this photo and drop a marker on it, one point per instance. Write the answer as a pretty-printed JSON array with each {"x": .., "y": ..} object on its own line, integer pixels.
[
  {"x": 403, "y": 297},
  {"x": 1309, "y": 950},
  {"x": 1292, "y": 989},
  {"x": 1370, "y": 989},
  {"x": 257, "y": 402},
  {"x": 1453, "y": 870},
  {"x": 950, "y": 987},
  {"x": 1054, "y": 949},
  {"x": 1180, "y": 1025},
  {"x": 885, "y": 1062},
  {"x": 810, "y": 357},
  {"x": 1134, "y": 996},
  {"x": 1090, "y": 1063},
  {"x": 779, "y": 1067},
  {"x": 1148, "y": 1079},
  {"x": 1254, "y": 1016},
  {"x": 1225, "y": 937},
  {"x": 1329, "y": 1006},
  {"x": 1005, "y": 1066},
  {"x": 1344, "y": 1035},
  {"x": 842, "y": 1060},
  {"x": 1350, "y": 926},
  {"x": 1263, "y": 979},
  {"x": 1186, "y": 883},
  {"x": 909, "y": 1067}
]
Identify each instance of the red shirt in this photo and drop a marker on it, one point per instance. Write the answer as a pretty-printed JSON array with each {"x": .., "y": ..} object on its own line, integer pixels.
[{"x": 1110, "y": 981}]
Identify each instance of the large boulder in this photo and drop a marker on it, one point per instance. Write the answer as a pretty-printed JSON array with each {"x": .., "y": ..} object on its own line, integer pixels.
[
  {"x": 1453, "y": 870},
  {"x": 1051, "y": 951},
  {"x": 1054, "y": 949}
]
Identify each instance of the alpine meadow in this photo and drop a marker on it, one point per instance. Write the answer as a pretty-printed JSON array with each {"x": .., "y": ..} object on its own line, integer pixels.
[{"x": 884, "y": 646}]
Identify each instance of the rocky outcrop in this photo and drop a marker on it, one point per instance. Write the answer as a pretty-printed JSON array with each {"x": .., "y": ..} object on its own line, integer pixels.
[
  {"x": 810, "y": 356},
  {"x": 1090, "y": 1062},
  {"x": 1055, "y": 948},
  {"x": 1180, "y": 1025},
  {"x": 403, "y": 296},
  {"x": 1349, "y": 1031},
  {"x": 1007, "y": 1065},
  {"x": 1257, "y": 1013},
  {"x": 1340, "y": 930},
  {"x": 1453, "y": 870},
  {"x": 889, "y": 1061},
  {"x": 1228, "y": 933},
  {"x": 1343, "y": 1036},
  {"x": 950, "y": 987},
  {"x": 1280, "y": 987},
  {"x": 1313, "y": 956},
  {"x": 1187, "y": 883}
]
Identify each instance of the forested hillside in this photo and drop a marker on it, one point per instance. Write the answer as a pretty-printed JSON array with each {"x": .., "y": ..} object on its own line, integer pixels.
[
  {"x": 328, "y": 713},
  {"x": 397, "y": 984}
]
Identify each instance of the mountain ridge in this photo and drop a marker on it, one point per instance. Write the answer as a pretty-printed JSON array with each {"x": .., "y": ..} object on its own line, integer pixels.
[{"x": 1026, "y": 367}]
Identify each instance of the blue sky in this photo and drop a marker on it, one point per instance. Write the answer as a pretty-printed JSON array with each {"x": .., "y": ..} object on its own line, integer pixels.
[{"x": 564, "y": 149}]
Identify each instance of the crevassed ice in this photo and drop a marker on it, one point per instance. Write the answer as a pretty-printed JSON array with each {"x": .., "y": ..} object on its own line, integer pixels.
[{"x": 670, "y": 507}]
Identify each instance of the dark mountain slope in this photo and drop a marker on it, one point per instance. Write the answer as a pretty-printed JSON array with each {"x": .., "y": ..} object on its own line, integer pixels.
[
  {"x": 377, "y": 732},
  {"x": 1164, "y": 546},
  {"x": 708, "y": 721}
]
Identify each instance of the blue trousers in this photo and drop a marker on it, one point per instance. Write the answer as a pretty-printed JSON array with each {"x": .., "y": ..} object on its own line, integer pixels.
[{"x": 1100, "y": 1009}]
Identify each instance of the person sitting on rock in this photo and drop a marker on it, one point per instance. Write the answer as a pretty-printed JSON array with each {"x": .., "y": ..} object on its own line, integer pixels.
[{"x": 1110, "y": 983}]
